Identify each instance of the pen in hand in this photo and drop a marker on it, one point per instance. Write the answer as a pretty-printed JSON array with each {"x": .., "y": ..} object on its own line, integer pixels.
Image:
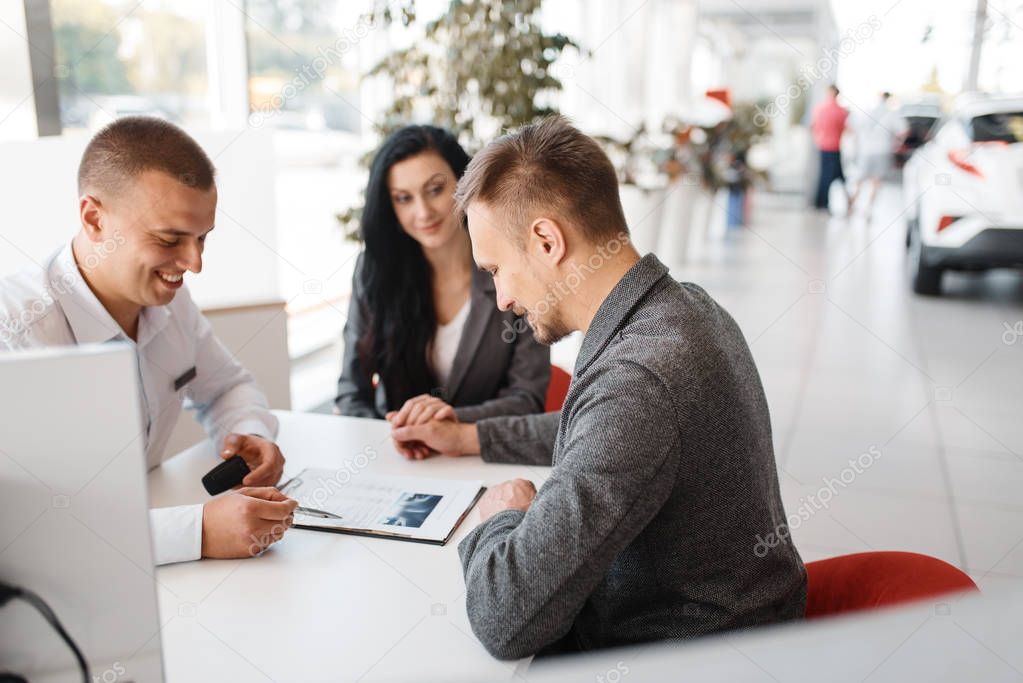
[
  {"x": 302, "y": 510},
  {"x": 313, "y": 512}
]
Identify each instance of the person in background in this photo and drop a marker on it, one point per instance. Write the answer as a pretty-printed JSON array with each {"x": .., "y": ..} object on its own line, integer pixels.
[
  {"x": 147, "y": 203},
  {"x": 877, "y": 134},
  {"x": 423, "y": 337},
  {"x": 664, "y": 486},
  {"x": 828, "y": 124}
]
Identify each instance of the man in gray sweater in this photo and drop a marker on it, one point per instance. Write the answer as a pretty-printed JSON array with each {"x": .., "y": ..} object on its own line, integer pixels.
[{"x": 652, "y": 523}]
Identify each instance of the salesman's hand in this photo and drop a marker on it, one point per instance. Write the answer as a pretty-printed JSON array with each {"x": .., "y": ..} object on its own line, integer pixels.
[
  {"x": 517, "y": 494},
  {"x": 263, "y": 457},
  {"x": 245, "y": 522},
  {"x": 447, "y": 437},
  {"x": 419, "y": 410}
]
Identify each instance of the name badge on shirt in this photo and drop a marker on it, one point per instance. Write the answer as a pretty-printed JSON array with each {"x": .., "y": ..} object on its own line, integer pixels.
[{"x": 185, "y": 378}]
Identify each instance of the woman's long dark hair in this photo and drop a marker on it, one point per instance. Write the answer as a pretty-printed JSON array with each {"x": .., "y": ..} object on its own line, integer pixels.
[{"x": 396, "y": 277}]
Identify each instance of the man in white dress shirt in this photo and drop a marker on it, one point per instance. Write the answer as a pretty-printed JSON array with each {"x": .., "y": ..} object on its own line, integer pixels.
[{"x": 147, "y": 201}]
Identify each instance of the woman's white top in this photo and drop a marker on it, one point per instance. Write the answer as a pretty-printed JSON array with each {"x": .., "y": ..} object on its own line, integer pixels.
[{"x": 445, "y": 343}]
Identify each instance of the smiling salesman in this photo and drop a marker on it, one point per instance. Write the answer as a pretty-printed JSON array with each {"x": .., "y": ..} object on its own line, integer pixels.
[{"x": 147, "y": 201}]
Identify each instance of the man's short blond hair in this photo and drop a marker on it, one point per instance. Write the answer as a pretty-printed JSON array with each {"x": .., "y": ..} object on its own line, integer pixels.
[{"x": 547, "y": 168}]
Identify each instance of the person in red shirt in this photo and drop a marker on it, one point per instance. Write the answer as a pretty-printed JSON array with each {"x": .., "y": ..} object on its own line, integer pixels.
[{"x": 828, "y": 124}]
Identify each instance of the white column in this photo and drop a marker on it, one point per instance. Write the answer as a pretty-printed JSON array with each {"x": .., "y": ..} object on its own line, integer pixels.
[
  {"x": 17, "y": 107},
  {"x": 670, "y": 38},
  {"x": 980, "y": 17},
  {"x": 227, "y": 65},
  {"x": 375, "y": 94}
]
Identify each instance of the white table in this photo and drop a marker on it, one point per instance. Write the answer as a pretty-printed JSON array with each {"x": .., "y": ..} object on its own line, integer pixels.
[
  {"x": 327, "y": 607},
  {"x": 320, "y": 606}
]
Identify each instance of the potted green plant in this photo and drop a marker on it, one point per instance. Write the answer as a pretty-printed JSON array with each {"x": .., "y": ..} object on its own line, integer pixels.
[
  {"x": 482, "y": 66},
  {"x": 641, "y": 184},
  {"x": 723, "y": 155},
  {"x": 680, "y": 165}
]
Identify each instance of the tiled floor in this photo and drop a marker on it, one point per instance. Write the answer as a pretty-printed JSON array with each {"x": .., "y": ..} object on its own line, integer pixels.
[{"x": 853, "y": 361}]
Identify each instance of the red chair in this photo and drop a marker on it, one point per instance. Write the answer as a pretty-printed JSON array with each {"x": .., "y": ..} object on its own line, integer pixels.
[
  {"x": 557, "y": 390},
  {"x": 864, "y": 581}
]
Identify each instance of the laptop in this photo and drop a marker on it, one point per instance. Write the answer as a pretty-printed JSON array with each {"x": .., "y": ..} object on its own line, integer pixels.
[{"x": 75, "y": 524}]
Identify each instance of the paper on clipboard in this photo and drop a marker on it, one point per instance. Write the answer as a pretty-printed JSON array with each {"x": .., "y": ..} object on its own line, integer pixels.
[{"x": 409, "y": 508}]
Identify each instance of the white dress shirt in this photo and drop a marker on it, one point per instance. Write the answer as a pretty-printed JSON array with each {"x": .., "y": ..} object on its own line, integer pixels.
[
  {"x": 445, "y": 344},
  {"x": 54, "y": 306}
]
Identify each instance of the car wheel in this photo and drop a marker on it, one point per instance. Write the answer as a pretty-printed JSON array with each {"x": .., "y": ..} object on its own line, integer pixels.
[
  {"x": 911, "y": 224},
  {"x": 926, "y": 278}
]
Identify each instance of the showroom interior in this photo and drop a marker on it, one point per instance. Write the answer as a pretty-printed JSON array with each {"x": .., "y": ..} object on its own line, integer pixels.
[{"x": 868, "y": 244}]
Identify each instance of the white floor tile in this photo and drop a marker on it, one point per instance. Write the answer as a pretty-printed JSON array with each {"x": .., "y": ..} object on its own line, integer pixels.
[
  {"x": 865, "y": 521},
  {"x": 850, "y": 358},
  {"x": 993, "y": 478},
  {"x": 992, "y": 538},
  {"x": 993, "y": 583},
  {"x": 979, "y": 430}
]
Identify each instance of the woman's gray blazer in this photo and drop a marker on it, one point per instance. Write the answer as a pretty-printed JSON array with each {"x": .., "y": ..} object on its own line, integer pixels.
[{"x": 499, "y": 368}]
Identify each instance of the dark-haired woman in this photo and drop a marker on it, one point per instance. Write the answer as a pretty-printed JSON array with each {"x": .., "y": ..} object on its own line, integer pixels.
[{"x": 424, "y": 338}]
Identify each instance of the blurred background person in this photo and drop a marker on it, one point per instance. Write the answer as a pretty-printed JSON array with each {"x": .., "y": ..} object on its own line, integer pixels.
[
  {"x": 423, "y": 338},
  {"x": 878, "y": 133},
  {"x": 828, "y": 123}
]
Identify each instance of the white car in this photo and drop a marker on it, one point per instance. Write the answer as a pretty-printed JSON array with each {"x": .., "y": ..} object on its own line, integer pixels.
[{"x": 965, "y": 188}]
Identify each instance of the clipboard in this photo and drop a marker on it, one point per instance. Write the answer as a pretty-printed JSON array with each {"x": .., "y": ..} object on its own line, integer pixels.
[{"x": 412, "y": 509}]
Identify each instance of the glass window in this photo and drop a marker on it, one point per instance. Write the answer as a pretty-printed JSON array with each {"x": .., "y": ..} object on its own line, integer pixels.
[
  {"x": 303, "y": 68},
  {"x": 998, "y": 127},
  {"x": 121, "y": 57},
  {"x": 304, "y": 85}
]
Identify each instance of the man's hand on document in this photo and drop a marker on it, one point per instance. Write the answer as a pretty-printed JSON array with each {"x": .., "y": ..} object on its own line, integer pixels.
[
  {"x": 444, "y": 436},
  {"x": 517, "y": 494}
]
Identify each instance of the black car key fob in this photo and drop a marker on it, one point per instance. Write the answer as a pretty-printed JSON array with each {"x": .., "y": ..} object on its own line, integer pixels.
[{"x": 226, "y": 475}]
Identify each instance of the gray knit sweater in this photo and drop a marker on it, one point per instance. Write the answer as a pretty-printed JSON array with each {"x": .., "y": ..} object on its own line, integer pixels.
[{"x": 664, "y": 483}]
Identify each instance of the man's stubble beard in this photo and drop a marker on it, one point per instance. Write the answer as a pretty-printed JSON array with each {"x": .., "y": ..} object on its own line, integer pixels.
[
  {"x": 552, "y": 328},
  {"x": 549, "y": 331}
]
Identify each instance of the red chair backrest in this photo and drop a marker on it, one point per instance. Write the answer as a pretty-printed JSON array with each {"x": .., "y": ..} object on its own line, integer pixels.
[
  {"x": 557, "y": 390},
  {"x": 868, "y": 580}
]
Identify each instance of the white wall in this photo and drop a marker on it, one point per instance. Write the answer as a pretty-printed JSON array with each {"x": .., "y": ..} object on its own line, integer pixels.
[
  {"x": 17, "y": 108},
  {"x": 258, "y": 337},
  {"x": 39, "y": 196},
  {"x": 639, "y": 64}
]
